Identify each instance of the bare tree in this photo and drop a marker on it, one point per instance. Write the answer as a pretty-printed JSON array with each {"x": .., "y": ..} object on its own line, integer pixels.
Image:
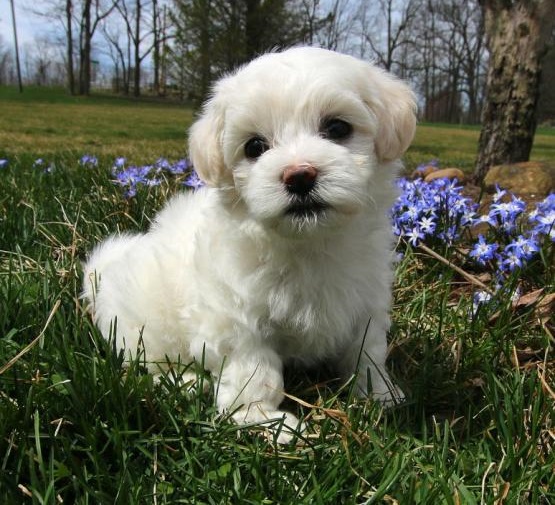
[
  {"x": 212, "y": 37},
  {"x": 80, "y": 20},
  {"x": 69, "y": 46},
  {"x": 159, "y": 36},
  {"x": 399, "y": 18},
  {"x": 16, "y": 47},
  {"x": 517, "y": 37},
  {"x": 44, "y": 61},
  {"x": 332, "y": 23},
  {"x": 120, "y": 53},
  {"x": 466, "y": 23},
  {"x": 142, "y": 32},
  {"x": 93, "y": 13},
  {"x": 6, "y": 64},
  {"x": 156, "y": 44},
  {"x": 460, "y": 34}
]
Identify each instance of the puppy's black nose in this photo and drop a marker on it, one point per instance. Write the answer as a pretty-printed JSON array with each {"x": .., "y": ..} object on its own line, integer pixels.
[{"x": 300, "y": 179}]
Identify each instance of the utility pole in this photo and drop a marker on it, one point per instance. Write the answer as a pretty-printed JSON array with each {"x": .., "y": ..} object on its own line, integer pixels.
[{"x": 16, "y": 49}]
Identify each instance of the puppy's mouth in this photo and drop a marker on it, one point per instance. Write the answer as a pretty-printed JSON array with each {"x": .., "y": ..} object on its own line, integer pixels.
[{"x": 306, "y": 208}]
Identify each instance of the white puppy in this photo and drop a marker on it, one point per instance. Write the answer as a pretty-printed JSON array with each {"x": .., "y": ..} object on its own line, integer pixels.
[{"x": 286, "y": 255}]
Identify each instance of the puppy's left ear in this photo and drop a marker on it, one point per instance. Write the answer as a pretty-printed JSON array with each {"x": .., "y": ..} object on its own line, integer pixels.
[
  {"x": 205, "y": 144},
  {"x": 394, "y": 105}
]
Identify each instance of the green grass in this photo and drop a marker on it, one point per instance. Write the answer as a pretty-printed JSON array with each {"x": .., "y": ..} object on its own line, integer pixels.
[
  {"x": 43, "y": 122},
  {"x": 77, "y": 426},
  {"x": 456, "y": 146}
]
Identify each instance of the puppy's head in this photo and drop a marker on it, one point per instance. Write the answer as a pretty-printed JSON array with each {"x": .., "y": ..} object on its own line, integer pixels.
[{"x": 300, "y": 135}]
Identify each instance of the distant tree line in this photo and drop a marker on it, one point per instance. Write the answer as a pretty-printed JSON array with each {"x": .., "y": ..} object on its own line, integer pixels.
[
  {"x": 438, "y": 45},
  {"x": 468, "y": 60}
]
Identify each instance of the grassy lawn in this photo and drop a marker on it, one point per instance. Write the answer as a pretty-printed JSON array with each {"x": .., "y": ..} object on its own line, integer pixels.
[
  {"x": 456, "y": 146},
  {"x": 44, "y": 122},
  {"x": 78, "y": 427}
]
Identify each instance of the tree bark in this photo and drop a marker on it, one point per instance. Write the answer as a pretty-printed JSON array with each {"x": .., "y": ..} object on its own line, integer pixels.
[
  {"x": 253, "y": 28},
  {"x": 16, "y": 46},
  {"x": 137, "y": 55},
  {"x": 85, "y": 50},
  {"x": 156, "y": 47},
  {"x": 69, "y": 36},
  {"x": 517, "y": 35}
]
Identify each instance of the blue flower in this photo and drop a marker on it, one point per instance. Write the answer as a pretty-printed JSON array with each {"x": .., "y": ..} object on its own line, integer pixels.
[
  {"x": 162, "y": 164},
  {"x": 427, "y": 225},
  {"x": 449, "y": 235},
  {"x": 132, "y": 176},
  {"x": 119, "y": 163},
  {"x": 88, "y": 161},
  {"x": 485, "y": 219},
  {"x": 437, "y": 209},
  {"x": 153, "y": 182},
  {"x": 480, "y": 299},
  {"x": 483, "y": 252},
  {"x": 411, "y": 214},
  {"x": 508, "y": 210},
  {"x": 543, "y": 217},
  {"x": 522, "y": 247},
  {"x": 193, "y": 181},
  {"x": 414, "y": 236},
  {"x": 131, "y": 192},
  {"x": 3, "y": 163},
  {"x": 499, "y": 194},
  {"x": 180, "y": 167},
  {"x": 512, "y": 261}
]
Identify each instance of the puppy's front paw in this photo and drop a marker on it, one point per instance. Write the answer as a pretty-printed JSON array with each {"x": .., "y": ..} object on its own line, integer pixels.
[
  {"x": 384, "y": 392},
  {"x": 188, "y": 381},
  {"x": 275, "y": 423},
  {"x": 389, "y": 397}
]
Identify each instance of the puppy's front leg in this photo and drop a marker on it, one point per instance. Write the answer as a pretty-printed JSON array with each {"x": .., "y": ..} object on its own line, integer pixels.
[
  {"x": 251, "y": 385},
  {"x": 367, "y": 356}
]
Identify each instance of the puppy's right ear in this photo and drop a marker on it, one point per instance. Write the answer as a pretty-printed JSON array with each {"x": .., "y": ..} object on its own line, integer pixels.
[
  {"x": 205, "y": 145},
  {"x": 394, "y": 104}
]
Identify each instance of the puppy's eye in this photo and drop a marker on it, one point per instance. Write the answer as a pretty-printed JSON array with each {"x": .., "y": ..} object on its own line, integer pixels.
[
  {"x": 335, "y": 129},
  {"x": 256, "y": 147}
]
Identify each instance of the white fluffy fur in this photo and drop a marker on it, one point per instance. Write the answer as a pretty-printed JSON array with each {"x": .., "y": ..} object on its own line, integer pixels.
[{"x": 225, "y": 275}]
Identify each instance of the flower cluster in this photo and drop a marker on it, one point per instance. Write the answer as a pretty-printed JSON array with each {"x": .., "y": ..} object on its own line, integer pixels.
[
  {"x": 504, "y": 239},
  {"x": 432, "y": 210},
  {"x": 88, "y": 161},
  {"x": 518, "y": 234},
  {"x": 41, "y": 164},
  {"x": 132, "y": 177}
]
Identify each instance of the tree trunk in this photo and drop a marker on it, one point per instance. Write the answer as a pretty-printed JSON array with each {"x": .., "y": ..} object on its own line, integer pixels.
[
  {"x": 137, "y": 44},
  {"x": 517, "y": 34},
  {"x": 69, "y": 35},
  {"x": 85, "y": 50},
  {"x": 156, "y": 48},
  {"x": 205, "y": 51},
  {"x": 253, "y": 28},
  {"x": 16, "y": 46}
]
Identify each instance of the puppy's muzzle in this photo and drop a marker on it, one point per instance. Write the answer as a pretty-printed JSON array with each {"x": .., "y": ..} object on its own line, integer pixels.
[{"x": 300, "y": 181}]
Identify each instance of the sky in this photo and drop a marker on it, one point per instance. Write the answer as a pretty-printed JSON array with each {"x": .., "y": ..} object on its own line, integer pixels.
[
  {"x": 28, "y": 25},
  {"x": 31, "y": 27}
]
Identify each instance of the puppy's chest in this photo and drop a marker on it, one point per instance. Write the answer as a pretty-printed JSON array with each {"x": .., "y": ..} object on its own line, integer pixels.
[{"x": 313, "y": 311}]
